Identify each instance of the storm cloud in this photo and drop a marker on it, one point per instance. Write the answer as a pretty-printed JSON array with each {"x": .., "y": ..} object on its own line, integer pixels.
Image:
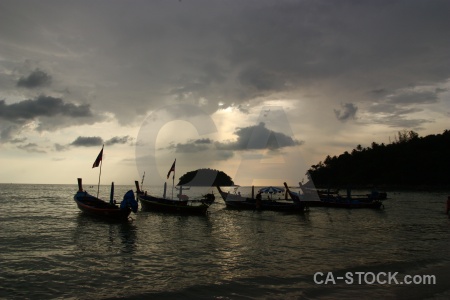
[
  {"x": 347, "y": 112},
  {"x": 396, "y": 108},
  {"x": 42, "y": 106},
  {"x": 211, "y": 52},
  {"x": 414, "y": 97},
  {"x": 89, "y": 141},
  {"x": 119, "y": 140},
  {"x": 37, "y": 78},
  {"x": 256, "y": 137},
  {"x": 48, "y": 113},
  {"x": 336, "y": 68},
  {"x": 192, "y": 146}
]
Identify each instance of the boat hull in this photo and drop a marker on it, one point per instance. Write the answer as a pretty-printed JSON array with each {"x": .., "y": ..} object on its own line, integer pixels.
[
  {"x": 98, "y": 208},
  {"x": 150, "y": 203}
]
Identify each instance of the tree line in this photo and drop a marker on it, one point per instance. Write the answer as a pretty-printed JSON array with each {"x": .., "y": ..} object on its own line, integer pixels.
[
  {"x": 409, "y": 160},
  {"x": 206, "y": 177}
]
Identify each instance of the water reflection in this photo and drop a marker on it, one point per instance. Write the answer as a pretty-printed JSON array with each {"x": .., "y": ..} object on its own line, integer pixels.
[
  {"x": 99, "y": 236},
  {"x": 57, "y": 252}
]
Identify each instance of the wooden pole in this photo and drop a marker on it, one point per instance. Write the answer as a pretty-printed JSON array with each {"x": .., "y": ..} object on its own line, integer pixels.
[
  {"x": 80, "y": 185},
  {"x": 111, "y": 195},
  {"x": 173, "y": 182},
  {"x": 142, "y": 182},
  {"x": 136, "y": 183}
]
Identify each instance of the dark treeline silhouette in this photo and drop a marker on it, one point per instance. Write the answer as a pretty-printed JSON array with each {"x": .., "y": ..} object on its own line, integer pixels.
[
  {"x": 206, "y": 177},
  {"x": 409, "y": 160}
]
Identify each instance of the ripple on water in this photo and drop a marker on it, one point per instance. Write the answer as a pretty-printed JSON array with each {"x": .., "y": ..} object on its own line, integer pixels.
[{"x": 50, "y": 250}]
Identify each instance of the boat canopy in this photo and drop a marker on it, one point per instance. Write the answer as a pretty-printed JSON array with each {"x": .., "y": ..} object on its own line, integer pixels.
[{"x": 129, "y": 200}]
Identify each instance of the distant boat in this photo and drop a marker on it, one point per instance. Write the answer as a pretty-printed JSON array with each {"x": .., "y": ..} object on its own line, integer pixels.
[
  {"x": 108, "y": 210},
  {"x": 182, "y": 206},
  {"x": 236, "y": 201},
  {"x": 335, "y": 201},
  {"x": 332, "y": 195}
]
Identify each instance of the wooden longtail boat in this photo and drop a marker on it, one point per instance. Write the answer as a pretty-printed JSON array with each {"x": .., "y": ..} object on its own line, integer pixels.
[
  {"x": 335, "y": 201},
  {"x": 243, "y": 203},
  {"x": 108, "y": 210},
  {"x": 331, "y": 195},
  {"x": 192, "y": 207}
]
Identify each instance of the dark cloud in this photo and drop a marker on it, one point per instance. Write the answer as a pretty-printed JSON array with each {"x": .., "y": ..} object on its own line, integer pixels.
[
  {"x": 206, "y": 145},
  {"x": 228, "y": 52},
  {"x": 394, "y": 115},
  {"x": 192, "y": 146},
  {"x": 304, "y": 41},
  {"x": 414, "y": 97},
  {"x": 400, "y": 121},
  {"x": 87, "y": 141},
  {"x": 440, "y": 90},
  {"x": 347, "y": 112},
  {"x": 378, "y": 93},
  {"x": 392, "y": 109},
  {"x": 258, "y": 137},
  {"x": 37, "y": 78},
  {"x": 261, "y": 80},
  {"x": 50, "y": 114},
  {"x": 211, "y": 52},
  {"x": 248, "y": 138},
  {"x": 7, "y": 131},
  {"x": 203, "y": 141},
  {"x": 42, "y": 106},
  {"x": 118, "y": 140}
]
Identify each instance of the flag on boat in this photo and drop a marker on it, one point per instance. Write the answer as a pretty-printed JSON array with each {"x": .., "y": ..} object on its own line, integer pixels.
[
  {"x": 172, "y": 168},
  {"x": 98, "y": 159}
]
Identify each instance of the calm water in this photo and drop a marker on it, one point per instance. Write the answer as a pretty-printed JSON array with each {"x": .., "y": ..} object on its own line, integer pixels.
[{"x": 51, "y": 250}]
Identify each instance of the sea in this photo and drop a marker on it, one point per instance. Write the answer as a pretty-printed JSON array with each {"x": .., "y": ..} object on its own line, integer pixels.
[{"x": 50, "y": 250}]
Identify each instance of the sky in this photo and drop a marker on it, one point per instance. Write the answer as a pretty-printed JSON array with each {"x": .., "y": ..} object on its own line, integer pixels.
[{"x": 261, "y": 90}]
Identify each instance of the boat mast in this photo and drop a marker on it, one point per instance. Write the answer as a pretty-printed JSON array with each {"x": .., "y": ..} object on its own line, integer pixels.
[
  {"x": 99, "y": 175},
  {"x": 173, "y": 182},
  {"x": 98, "y": 161},
  {"x": 142, "y": 182},
  {"x": 173, "y": 177}
]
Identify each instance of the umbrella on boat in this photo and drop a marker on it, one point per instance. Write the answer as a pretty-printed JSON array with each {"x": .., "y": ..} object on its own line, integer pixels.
[{"x": 271, "y": 190}]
